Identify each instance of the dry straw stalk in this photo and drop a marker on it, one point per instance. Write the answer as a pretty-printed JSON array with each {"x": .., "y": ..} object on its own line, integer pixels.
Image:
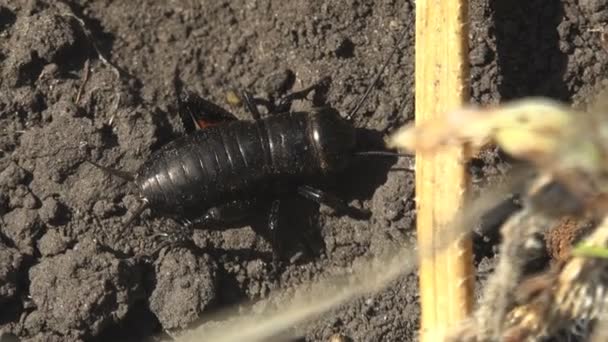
[{"x": 442, "y": 78}]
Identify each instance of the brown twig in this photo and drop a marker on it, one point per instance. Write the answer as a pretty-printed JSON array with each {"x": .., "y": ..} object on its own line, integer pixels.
[
  {"x": 85, "y": 79},
  {"x": 89, "y": 36}
]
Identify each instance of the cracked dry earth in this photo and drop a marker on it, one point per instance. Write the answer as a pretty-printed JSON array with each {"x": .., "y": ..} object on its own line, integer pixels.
[{"x": 94, "y": 80}]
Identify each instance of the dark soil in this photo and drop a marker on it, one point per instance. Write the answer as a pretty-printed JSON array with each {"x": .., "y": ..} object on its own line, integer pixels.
[{"x": 69, "y": 270}]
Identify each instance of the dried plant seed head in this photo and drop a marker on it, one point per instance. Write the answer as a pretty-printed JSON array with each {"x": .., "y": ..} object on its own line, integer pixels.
[
  {"x": 548, "y": 134},
  {"x": 456, "y": 128},
  {"x": 554, "y": 137},
  {"x": 568, "y": 150},
  {"x": 527, "y": 129},
  {"x": 531, "y": 128}
]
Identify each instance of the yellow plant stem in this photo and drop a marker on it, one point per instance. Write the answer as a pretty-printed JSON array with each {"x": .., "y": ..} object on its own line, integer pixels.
[{"x": 442, "y": 77}]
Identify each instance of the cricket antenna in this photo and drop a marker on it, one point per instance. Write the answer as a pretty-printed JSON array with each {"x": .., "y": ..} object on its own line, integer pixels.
[
  {"x": 382, "y": 153},
  {"x": 128, "y": 176},
  {"x": 376, "y": 78}
]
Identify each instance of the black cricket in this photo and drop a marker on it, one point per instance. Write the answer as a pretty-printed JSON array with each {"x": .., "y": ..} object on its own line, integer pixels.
[{"x": 220, "y": 169}]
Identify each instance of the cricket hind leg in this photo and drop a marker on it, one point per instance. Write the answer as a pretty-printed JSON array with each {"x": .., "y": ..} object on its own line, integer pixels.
[
  {"x": 270, "y": 230},
  {"x": 290, "y": 229},
  {"x": 216, "y": 218},
  {"x": 236, "y": 214},
  {"x": 176, "y": 238},
  {"x": 331, "y": 200},
  {"x": 222, "y": 216}
]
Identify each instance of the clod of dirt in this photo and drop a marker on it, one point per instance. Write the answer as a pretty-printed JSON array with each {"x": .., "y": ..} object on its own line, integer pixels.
[
  {"x": 393, "y": 217},
  {"x": 38, "y": 39},
  {"x": 10, "y": 263},
  {"x": 392, "y": 201},
  {"x": 593, "y": 6},
  {"x": 391, "y": 205},
  {"x": 23, "y": 105},
  {"x": 480, "y": 55},
  {"x": 185, "y": 287},
  {"x": 104, "y": 209},
  {"x": 258, "y": 273},
  {"x": 50, "y": 211},
  {"x": 21, "y": 227},
  {"x": 91, "y": 290},
  {"x": 66, "y": 136},
  {"x": 279, "y": 82},
  {"x": 136, "y": 130},
  {"x": 22, "y": 197},
  {"x": 53, "y": 243},
  {"x": 12, "y": 176}
]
